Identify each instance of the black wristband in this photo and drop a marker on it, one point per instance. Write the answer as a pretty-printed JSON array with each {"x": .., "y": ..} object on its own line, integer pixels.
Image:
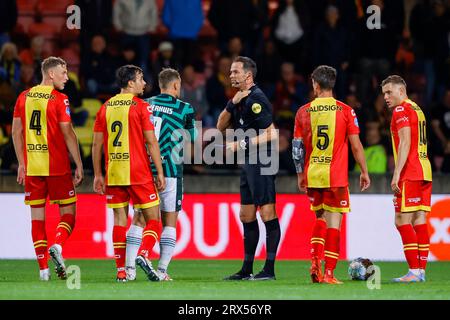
[{"x": 230, "y": 106}]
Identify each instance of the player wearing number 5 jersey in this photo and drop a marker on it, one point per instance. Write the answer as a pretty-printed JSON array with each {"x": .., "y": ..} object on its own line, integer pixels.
[
  {"x": 411, "y": 182},
  {"x": 322, "y": 130},
  {"x": 42, "y": 134},
  {"x": 123, "y": 126},
  {"x": 174, "y": 121}
]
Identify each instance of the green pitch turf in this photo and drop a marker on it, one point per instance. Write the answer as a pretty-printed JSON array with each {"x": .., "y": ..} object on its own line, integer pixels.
[{"x": 195, "y": 279}]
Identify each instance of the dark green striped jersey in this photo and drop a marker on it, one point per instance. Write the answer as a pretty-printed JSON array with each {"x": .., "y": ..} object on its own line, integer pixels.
[{"x": 170, "y": 116}]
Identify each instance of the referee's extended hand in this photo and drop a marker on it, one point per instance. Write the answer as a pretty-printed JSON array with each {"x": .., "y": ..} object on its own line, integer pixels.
[{"x": 240, "y": 95}]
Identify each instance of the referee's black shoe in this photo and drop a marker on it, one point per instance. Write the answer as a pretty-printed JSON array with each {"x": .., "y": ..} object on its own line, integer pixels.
[
  {"x": 263, "y": 275},
  {"x": 240, "y": 275}
]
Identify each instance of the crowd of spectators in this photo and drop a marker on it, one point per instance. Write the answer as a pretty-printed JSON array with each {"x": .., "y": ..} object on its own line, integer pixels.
[{"x": 287, "y": 39}]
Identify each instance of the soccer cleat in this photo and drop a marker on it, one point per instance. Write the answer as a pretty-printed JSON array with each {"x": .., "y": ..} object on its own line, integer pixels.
[
  {"x": 163, "y": 276},
  {"x": 422, "y": 275},
  {"x": 55, "y": 254},
  {"x": 316, "y": 270},
  {"x": 44, "y": 275},
  {"x": 131, "y": 273},
  {"x": 121, "y": 276},
  {"x": 329, "y": 278},
  {"x": 240, "y": 275},
  {"x": 408, "y": 278},
  {"x": 146, "y": 266},
  {"x": 263, "y": 275}
]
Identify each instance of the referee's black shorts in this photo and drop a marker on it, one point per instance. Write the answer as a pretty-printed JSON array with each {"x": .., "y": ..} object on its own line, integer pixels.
[{"x": 255, "y": 188}]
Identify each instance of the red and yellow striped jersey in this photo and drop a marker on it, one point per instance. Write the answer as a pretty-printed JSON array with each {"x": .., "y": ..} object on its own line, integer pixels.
[
  {"x": 417, "y": 166},
  {"x": 324, "y": 125},
  {"x": 41, "y": 109},
  {"x": 122, "y": 120}
]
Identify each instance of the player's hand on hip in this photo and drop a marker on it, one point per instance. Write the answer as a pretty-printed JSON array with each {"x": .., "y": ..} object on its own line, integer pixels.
[
  {"x": 364, "y": 181},
  {"x": 240, "y": 95},
  {"x": 99, "y": 184},
  {"x": 21, "y": 175},
  {"x": 79, "y": 176},
  {"x": 160, "y": 182},
  {"x": 394, "y": 183}
]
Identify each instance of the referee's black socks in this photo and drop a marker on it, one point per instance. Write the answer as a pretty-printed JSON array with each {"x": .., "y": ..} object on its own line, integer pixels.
[
  {"x": 251, "y": 238},
  {"x": 273, "y": 234}
]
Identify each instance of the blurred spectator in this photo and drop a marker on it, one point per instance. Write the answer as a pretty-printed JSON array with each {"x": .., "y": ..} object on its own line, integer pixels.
[
  {"x": 8, "y": 157},
  {"x": 332, "y": 47},
  {"x": 348, "y": 11},
  {"x": 34, "y": 56},
  {"x": 361, "y": 113},
  {"x": 256, "y": 40},
  {"x": 380, "y": 113},
  {"x": 78, "y": 115},
  {"x": 135, "y": 19},
  {"x": 27, "y": 77},
  {"x": 219, "y": 89},
  {"x": 128, "y": 56},
  {"x": 290, "y": 28},
  {"x": 234, "y": 48},
  {"x": 404, "y": 58},
  {"x": 10, "y": 65},
  {"x": 99, "y": 70},
  {"x": 232, "y": 18},
  {"x": 8, "y": 19},
  {"x": 440, "y": 124},
  {"x": 374, "y": 150},
  {"x": 165, "y": 59},
  {"x": 193, "y": 91},
  {"x": 270, "y": 73},
  {"x": 290, "y": 94},
  {"x": 184, "y": 19}
]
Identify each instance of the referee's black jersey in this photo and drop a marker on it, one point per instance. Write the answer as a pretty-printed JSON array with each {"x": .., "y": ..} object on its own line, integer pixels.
[{"x": 253, "y": 111}]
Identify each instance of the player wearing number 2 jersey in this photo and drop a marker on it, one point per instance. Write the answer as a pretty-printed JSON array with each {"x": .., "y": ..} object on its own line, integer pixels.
[
  {"x": 42, "y": 134},
  {"x": 123, "y": 125},
  {"x": 171, "y": 117},
  {"x": 320, "y": 152},
  {"x": 411, "y": 181}
]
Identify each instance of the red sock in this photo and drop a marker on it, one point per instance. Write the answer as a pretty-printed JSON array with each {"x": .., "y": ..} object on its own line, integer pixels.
[
  {"x": 64, "y": 228},
  {"x": 409, "y": 239},
  {"x": 318, "y": 238},
  {"x": 332, "y": 249},
  {"x": 120, "y": 245},
  {"x": 423, "y": 239},
  {"x": 40, "y": 242},
  {"x": 149, "y": 236}
]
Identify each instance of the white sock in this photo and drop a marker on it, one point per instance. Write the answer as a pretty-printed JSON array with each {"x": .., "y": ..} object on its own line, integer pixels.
[
  {"x": 166, "y": 247},
  {"x": 134, "y": 239},
  {"x": 415, "y": 271}
]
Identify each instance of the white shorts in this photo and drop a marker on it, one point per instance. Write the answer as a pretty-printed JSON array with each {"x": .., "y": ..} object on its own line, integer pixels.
[{"x": 172, "y": 196}]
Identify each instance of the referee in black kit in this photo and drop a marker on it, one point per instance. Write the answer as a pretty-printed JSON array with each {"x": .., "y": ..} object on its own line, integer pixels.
[{"x": 250, "y": 109}]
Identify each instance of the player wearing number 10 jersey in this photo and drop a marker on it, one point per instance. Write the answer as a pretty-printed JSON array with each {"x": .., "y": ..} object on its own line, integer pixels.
[
  {"x": 411, "y": 181},
  {"x": 320, "y": 152},
  {"x": 123, "y": 125},
  {"x": 170, "y": 117}
]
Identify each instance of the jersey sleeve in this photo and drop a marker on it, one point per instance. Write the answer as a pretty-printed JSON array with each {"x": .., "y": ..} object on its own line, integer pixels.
[
  {"x": 189, "y": 123},
  {"x": 400, "y": 117},
  {"x": 63, "y": 108},
  {"x": 146, "y": 116},
  {"x": 298, "y": 126},
  {"x": 262, "y": 111},
  {"x": 100, "y": 121},
  {"x": 18, "y": 108},
  {"x": 352, "y": 121}
]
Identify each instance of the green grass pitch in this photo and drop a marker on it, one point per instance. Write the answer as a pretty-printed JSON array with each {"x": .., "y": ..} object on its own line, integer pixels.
[{"x": 201, "y": 279}]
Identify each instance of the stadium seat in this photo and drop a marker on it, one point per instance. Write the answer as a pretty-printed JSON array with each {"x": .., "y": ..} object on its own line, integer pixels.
[
  {"x": 52, "y": 7},
  {"x": 26, "y": 7},
  {"x": 91, "y": 105}
]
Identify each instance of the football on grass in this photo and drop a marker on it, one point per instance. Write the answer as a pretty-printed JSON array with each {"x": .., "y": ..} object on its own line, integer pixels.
[{"x": 360, "y": 269}]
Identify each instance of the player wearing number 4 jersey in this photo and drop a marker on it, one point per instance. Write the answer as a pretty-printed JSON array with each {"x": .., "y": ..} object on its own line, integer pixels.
[
  {"x": 171, "y": 117},
  {"x": 411, "y": 182},
  {"x": 322, "y": 130},
  {"x": 42, "y": 134},
  {"x": 123, "y": 126}
]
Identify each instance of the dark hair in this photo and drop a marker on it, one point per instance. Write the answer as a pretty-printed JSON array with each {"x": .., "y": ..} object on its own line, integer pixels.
[
  {"x": 248, "y": 65},
  {"x": 166, "y": 76},
  {"x": 52, "y": 62},
  {"x": 127, "y": 73},
  {"x": 325, "y": 77},
  {"x": 394, "y": 79}
]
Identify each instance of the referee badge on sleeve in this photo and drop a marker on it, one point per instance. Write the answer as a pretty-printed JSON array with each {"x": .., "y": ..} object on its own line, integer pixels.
[{"x": 256, "y": 108}]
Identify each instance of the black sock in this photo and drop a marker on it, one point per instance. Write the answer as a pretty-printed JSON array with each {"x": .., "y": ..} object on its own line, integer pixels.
[
  {"x": 273, "y": 234},
  {"x": 251, "y": 238}
]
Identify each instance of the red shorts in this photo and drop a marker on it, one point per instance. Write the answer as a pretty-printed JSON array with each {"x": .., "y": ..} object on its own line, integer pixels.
[
  {"x": 143, "y": 196},
  {"x": 414, "y": 196},
  {"x": 59, "y": 189},
  {"x": 330, "y": 199}
]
